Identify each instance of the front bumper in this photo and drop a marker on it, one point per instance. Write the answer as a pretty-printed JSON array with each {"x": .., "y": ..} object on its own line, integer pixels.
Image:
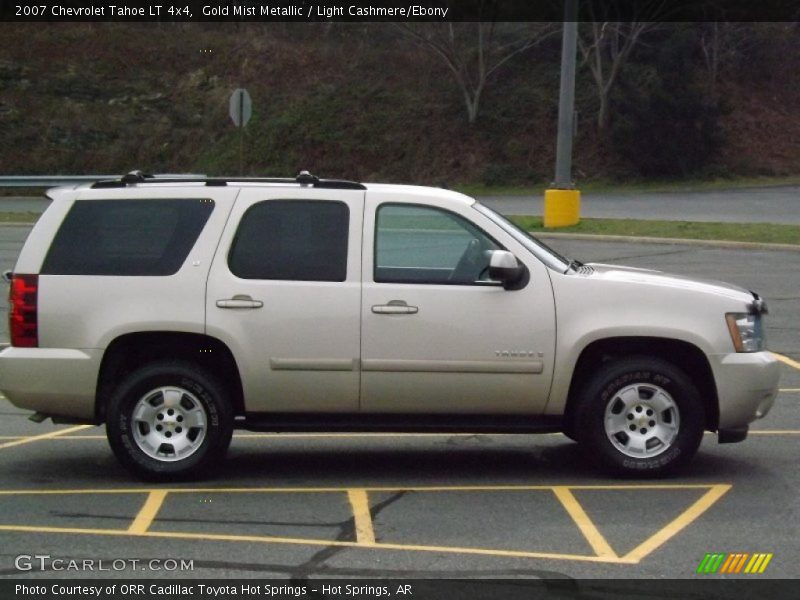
[
  {"x": 747, "y": 385},
  {"x": 53, "y": 381}
]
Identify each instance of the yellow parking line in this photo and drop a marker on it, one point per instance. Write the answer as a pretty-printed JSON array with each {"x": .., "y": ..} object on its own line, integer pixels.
[
  {"x": 683, "y": 520},
  {"x": 69, "y": 438},
  {"x": 365, "y": 535},
  {"x": 584, "y": 523},
  {"x": 786, "y": 360},
  {"x": 789, "y": 390},
  {"x": 315, "y": 542},
  {"x": 359, "y": 501},
  {"x": 776, "y": 432},
  {"x": 148, "y": 512},
  {"x": 44, "y": 436}
]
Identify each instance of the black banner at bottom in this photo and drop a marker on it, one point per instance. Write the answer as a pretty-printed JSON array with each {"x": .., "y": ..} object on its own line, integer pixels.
[{"x": 411, "y": 589}]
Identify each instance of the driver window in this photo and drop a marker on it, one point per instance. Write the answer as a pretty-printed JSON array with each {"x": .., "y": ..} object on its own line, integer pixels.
[{"x": 416, "y": 244}]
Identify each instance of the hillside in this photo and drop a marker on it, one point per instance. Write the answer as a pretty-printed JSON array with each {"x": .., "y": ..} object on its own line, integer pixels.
[{"x": 345, "y": 100}]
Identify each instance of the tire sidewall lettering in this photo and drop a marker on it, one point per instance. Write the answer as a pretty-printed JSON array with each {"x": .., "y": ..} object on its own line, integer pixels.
[
  {"x": 604, "y": 385},
  {"x": 210, "y": 395}
]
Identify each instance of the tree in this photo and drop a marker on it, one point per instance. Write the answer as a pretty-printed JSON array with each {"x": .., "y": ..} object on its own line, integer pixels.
[
  {"x": 605, "y": 49},
  {"x": 473, "y": 52},
  {"x": 666, "y": 124},
  {"x": 720, "y": 44}
]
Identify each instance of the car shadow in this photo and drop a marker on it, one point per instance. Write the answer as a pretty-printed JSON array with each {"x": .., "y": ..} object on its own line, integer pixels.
[{"x": 365, "y": 462}]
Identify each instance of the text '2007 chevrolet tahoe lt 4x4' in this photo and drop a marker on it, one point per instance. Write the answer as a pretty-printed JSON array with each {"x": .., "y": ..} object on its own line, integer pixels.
[{"x": 175, "y": 310}]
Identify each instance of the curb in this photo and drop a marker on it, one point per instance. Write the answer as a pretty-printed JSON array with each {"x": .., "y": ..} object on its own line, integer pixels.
[{"x": 670, "y": 241}]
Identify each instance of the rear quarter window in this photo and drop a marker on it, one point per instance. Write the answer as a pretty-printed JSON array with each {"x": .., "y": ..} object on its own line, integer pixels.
[{"x": 126, "y": 237}]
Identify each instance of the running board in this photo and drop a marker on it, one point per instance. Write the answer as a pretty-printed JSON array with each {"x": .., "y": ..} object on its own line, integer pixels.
[{"x": 399, "y": 423}]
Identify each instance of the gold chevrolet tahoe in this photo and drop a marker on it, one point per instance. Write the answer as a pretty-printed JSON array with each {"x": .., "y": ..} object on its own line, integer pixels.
[{"x": 175, "y": 310}]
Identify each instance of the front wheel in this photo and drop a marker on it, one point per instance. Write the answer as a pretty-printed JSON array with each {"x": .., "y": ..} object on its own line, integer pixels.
[
  {"x": 169, "y": 420},
  {"x": 641, "y": 416}
]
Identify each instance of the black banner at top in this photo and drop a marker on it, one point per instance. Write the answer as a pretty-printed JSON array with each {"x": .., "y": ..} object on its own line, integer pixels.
[{"x": 393, "y": 10}]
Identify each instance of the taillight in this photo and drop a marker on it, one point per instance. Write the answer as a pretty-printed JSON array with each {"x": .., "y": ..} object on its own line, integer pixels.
[{"x": 23, "y": 319}]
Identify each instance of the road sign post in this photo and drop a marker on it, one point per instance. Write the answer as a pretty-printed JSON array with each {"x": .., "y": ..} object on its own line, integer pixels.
[{"x": 240, "y": 110}]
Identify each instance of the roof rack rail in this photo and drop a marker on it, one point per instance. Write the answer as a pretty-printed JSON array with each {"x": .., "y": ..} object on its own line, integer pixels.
[{"x": 304, "y": 178}]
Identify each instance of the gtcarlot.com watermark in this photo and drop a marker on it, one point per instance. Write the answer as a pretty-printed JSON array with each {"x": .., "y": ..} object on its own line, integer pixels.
[{"x": 46, "y": 562}]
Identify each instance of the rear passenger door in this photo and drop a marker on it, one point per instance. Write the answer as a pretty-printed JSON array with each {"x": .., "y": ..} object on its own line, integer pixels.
[{"x": 284, "y": 294}]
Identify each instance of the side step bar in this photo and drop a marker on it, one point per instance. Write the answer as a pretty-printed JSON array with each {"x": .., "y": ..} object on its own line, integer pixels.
[{"x": 399, "y": 423}]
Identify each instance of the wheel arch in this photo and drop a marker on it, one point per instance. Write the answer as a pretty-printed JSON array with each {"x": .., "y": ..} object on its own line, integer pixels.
[
  {"x": 131, "y": 351},
  {"x": 684, "y": 355}
]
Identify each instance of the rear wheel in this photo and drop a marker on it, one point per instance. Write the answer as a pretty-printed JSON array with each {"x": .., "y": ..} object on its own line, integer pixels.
[
  {"x": 169, "y": 420},
  {"x": 641, "y": 416}
]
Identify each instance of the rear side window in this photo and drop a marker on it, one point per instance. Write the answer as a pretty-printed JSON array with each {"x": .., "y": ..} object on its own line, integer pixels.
[
  {"x": 126, "y": 237},
  {"x": 297, "y": 240}
]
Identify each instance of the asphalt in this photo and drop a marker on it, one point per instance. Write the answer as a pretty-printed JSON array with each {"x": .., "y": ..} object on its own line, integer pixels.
[
  {"x": 775, "y": 204},
  {"x": 780, "y": 204},
  {"x": 412, "y": 506}
]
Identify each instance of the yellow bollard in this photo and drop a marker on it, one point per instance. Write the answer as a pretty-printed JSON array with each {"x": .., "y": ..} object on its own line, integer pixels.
[{"x": 561, "y": 208}]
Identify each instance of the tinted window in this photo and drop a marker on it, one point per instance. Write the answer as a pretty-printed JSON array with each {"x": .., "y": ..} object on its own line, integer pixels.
[
  {"x": 126, "y": 237},
  {"x": 299, "y": 240},
  {"x": 416, "y": 244}
]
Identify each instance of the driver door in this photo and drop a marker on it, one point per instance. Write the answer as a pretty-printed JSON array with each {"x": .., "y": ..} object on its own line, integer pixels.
[{"x": 437, "y": 335}]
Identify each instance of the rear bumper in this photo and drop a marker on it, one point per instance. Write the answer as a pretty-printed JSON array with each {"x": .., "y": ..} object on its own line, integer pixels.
[
  {"x": 52, "y": 381},
  {"x": 747, "y": 385}
]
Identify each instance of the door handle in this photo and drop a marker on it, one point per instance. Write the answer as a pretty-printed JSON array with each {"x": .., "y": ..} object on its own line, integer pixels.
[
  {"x": 395, "y": 307},
  {"x": 240, "y": 301}
]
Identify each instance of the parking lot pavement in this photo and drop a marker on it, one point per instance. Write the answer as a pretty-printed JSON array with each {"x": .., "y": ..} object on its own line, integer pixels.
[
  {"x": 772, "y": 274},
  {"x": 769, "y": 204},
  {"x": 401, "y": 506},
  {"x": 321, "y": 505}
]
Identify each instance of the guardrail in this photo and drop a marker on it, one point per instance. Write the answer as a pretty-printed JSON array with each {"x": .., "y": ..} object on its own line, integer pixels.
[{"x": 32, "y": 181}]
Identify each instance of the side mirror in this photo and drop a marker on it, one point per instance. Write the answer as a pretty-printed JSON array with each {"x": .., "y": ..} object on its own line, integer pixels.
[
  {"x": 505, "y": 268},
  {"x": 7, "y": 276}
]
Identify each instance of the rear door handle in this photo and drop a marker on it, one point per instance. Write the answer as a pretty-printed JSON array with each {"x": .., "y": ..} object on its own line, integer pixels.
[
  {"x": 395, "y": 307},
  {"x": 240, "y": 301}
]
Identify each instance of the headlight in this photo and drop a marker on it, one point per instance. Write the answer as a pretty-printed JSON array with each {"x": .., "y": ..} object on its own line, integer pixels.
[{"x": 746, "y": 331}]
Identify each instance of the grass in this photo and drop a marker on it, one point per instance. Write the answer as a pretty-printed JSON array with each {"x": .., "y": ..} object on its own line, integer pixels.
[
  {"x": 605, "y": 186},
  {"x": 19, "y": 217},
  {"x": 736, "y": 232}
]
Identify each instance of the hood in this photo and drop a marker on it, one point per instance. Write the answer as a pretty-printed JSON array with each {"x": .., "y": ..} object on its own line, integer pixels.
[{"x": 621, "y": 274}]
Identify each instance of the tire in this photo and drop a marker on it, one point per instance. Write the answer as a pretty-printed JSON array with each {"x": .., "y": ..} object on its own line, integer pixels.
[
  {"x": 640, "y": 416},
  {"x": 169, "y": 421}
]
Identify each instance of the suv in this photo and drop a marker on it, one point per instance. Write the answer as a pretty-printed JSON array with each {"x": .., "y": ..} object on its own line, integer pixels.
[{"x": 175, "y": 310}]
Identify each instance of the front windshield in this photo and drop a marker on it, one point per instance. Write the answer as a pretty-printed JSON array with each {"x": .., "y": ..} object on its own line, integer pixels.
[{"x": 542, "y": 251}]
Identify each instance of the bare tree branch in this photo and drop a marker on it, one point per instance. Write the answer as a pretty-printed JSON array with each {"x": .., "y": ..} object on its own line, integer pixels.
[{"x": 472, "y": 63}]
